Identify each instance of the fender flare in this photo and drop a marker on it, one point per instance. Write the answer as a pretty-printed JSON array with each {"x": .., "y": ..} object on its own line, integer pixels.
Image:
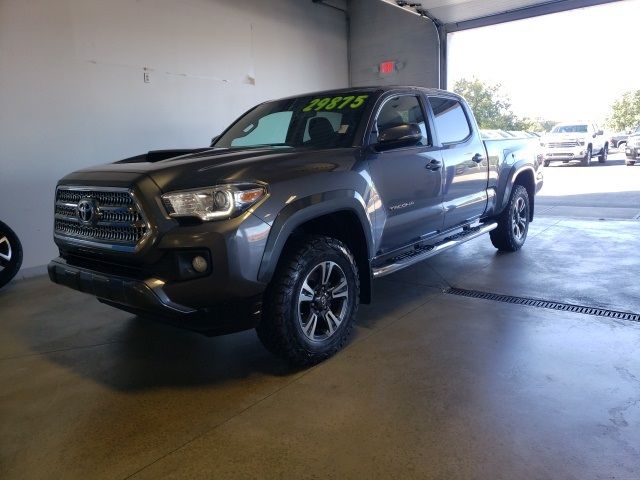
[
  {"x": 516, "y": 169},
  {"x": 307, "y": 208}
]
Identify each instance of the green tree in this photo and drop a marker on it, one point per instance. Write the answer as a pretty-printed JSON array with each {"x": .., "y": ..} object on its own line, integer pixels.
[
  {"x": 625, "y": 111},
  {"x": 490, "y": 106}
]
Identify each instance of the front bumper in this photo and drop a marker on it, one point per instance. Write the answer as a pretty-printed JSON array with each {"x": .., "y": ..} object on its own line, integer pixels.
[
  {"x": 149, "y": 297},
  {"x": 565, "y": 154},
  {"x": 632, "y": 152}
]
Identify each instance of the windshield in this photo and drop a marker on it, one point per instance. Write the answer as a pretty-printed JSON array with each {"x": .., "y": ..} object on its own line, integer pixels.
[
  {"x": 314, "y": 121},
  {"x": 569, "y": 129}
]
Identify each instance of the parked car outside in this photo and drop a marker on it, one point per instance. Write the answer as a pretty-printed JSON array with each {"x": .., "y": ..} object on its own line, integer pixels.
[
  {"x": 575, "y": 141},
  {"x": 619, "y": 140},
  {"x": 632, "y": 149}
]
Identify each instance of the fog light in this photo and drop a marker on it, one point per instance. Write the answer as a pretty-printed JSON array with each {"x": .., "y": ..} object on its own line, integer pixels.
[{"x": 199, "y": 264}]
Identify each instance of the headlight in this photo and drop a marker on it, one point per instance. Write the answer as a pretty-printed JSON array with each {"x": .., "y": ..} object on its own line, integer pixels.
[{"x": 213, "y": 203}]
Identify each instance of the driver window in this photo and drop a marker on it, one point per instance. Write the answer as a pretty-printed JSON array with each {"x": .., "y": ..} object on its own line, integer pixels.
[{"x": 400, "y": 110}]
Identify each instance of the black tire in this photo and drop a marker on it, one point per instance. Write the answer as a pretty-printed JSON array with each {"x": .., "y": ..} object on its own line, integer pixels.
[
  {"x": 603, "y": 154},
  {"x": 631, "y": 163},
  {"x": 282, "y": 329},
  {"x": 547, "y": 162},
  {"x": 10, "y": 254},
  {"x": 513, "y": 222},
  {"x": 586, "y": 161}
]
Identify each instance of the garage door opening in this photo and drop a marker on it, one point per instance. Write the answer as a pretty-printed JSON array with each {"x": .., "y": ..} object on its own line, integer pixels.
[{"x": 570, "y": 68}]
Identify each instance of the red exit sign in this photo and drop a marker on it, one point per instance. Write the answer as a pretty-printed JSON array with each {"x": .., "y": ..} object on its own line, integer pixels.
[{"x": 388, "y": 67}]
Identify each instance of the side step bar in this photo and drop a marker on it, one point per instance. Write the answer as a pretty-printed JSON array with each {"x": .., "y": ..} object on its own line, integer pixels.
[{"x": 422, "y": 253}]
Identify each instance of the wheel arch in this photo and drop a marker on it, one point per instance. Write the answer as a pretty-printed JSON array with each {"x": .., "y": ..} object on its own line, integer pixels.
[
  {"x": 520, "y": 175},
  {"x": 338, "y": 214}
]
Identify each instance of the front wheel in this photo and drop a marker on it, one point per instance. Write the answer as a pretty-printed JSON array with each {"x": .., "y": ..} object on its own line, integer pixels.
[
  {"x": 631, "y": 163},
  {"x": 10, "y": 254},
  {"x": 603, "y": 155},
  {"x": 547, "y": 162},
  {"x": 311, "y": 304},
  {"x": 513, "y": 222},
  {"x": 586, "y": 161}
]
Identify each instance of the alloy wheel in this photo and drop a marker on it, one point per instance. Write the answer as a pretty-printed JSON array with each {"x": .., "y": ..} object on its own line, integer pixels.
[
  {"x": 5, "y": 252},
  {"x": 323, "y": 301},
  {"x": 519, "y": 219}
]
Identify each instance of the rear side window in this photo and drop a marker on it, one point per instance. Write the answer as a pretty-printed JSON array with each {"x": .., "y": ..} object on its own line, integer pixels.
[
  {"x": 451, "y": 122},
  {"x": 400, "y": 110}
]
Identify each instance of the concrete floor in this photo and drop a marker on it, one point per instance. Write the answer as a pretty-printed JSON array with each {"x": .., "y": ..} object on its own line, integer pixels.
[{"x": 432, "y": 385}]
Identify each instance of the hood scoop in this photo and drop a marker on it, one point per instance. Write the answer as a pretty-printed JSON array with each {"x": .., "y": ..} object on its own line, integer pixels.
[{"x": 159, "y": 155}]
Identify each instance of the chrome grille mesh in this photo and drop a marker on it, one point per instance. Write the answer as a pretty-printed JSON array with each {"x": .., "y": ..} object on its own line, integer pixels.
[
  {"x": 569, "y": 144},
  {"x": 116, "y": 218}
]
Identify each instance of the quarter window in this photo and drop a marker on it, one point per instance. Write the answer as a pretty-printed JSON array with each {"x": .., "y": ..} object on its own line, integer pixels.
[
  {"x": 401, "y": 110},
  {"x": 451, "y": 122}
]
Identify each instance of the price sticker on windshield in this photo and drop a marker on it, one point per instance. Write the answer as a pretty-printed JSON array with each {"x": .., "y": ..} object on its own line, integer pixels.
[{"x": 336, "y": 103}]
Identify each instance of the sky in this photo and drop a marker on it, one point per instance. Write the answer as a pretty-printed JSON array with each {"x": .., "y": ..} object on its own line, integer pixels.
[{"x": 564, "y": 67}]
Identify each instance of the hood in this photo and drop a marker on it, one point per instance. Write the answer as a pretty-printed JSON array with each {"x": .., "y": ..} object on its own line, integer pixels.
[
  {"x": 215, "y": 166},
  {"x": 565, "y": 136}
]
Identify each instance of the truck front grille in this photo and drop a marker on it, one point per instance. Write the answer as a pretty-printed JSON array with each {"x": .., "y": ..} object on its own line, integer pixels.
[
  {"x": 563, "y": 144},
  {"x": 103, "y": 217}
]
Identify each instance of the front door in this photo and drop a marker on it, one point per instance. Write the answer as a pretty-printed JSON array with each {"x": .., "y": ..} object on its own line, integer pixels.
[
  {"x": 408, "y": 179},
  {"x": 466, "y": 168}
]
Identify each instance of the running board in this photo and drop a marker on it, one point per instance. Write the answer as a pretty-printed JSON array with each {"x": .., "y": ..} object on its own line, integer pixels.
[{"x": 422, "y": 253}]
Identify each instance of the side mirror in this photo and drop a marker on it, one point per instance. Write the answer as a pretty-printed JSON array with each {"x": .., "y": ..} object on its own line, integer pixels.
[
  {"x": 214, "y": 140},
  {"x": 405, "y": 135}
]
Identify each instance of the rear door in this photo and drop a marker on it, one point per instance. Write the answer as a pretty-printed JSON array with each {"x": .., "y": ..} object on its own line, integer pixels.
[
  {"x": 466, "y": 169},
  {"x": 408, "y": 179}
]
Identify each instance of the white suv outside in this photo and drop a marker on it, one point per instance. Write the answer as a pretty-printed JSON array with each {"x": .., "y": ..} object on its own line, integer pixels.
[{"x": 574, "y": 141}]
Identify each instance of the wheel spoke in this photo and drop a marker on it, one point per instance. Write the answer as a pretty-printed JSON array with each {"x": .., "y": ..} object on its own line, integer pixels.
[
  {"x": 332, "y": 321},
  {"x": 310, "y": 327},
  {"x": 5, "y": 249},
  {"x": 327, "y": 268},
  {"x": 522, "y": 225},
  {"x": 341, "y": 290},
  {"x": 307, "y": 293}
]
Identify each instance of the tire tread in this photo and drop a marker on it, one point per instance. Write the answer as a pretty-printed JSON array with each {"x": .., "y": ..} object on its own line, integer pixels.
[{"x": 274, "y": 331}]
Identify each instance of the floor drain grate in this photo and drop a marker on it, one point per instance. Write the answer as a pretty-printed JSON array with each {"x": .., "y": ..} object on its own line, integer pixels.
[{"x": 535, "y": 302}]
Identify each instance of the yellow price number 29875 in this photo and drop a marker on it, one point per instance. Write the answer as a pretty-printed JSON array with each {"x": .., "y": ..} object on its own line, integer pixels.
[{"x": 333, "y": 103}]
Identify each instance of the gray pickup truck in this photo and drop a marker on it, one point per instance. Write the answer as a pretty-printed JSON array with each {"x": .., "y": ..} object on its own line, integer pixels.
[{"x": 285, "y": 220}]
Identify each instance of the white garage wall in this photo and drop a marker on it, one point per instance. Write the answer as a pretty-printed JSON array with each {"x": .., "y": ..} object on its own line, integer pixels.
[
  {"x": 382, "y": 32},
  {"x": 72, "y": 91}
]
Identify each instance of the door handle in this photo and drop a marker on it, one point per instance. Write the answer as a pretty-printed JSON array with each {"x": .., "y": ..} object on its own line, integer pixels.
[
  {"x": 478, "y": 158},
  {"x": 433, "y": 164}
]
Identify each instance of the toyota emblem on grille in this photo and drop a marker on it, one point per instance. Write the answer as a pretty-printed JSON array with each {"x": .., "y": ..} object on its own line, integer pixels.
[{"x": 86, "y": 210}]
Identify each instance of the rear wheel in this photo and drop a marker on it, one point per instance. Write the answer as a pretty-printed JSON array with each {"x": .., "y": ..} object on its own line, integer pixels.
[
  {"x": 547, "y": 162},
  {"x": 513, "y": 222},
  {"x": 586, "y": 161},
  {"x": 311, "y": 304},
  {"x": 603, "y": 154},
  {"x": 10, "y": 254}
]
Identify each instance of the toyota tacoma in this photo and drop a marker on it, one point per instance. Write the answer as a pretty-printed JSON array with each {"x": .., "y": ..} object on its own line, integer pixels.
[{"x": 285, "y": 220}]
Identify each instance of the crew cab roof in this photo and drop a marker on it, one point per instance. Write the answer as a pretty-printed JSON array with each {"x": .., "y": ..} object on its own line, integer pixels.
[{"x": 371, "y": 89}]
